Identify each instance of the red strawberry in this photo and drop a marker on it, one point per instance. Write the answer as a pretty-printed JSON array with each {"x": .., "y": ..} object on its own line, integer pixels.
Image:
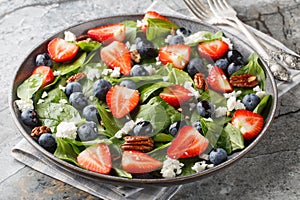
[
  {"x": 218, "y": 81},
  {"x": 213, "y": 49},
  {"x": 96, "y": 158},
  {"x": 138, "y": 162},
  {"x": 151, "y": 15},
  {"x": 116, "y": 54},
  {"x": 47, "y": 74},
  {"x": 188, "y": 143},
  {"x": 175, "y": 95},
  {"x": 178, "y": 55},
  {"x": 61, "y": 50},
  {"x": 121, "y": 100},
  {"x": 108, "y": 33},
  {"x": 248, "y": 122}
]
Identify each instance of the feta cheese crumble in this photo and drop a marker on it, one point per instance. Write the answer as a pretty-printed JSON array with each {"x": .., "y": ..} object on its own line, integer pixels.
[
  {"x": 150, "y": 69},
  {"x": 24, "y": 105},
  {"x": 66, "y": 130},
  {"x": 128, "y": 126},
  {"x": 259, "y": 92},
  {"x": 201, "y": 166},
  {"x": 40, "y": 101},
  {"x": 92, "y": 73},
  {"x": 188, "y": 85},
  {"x": 115, "y": 73},
  {"x": 232, "y": 102},
  {"x": 228, "y": 41},
  {"x": 221, "y": 112},
  {"x": 63, "y": 101},
  {"x": 44, "y": 95},
  {"x": 56, "y": 73},
  {"x": 69, "y": 36},
  {"x": 106, "y": 72},
  {"x": 62, "y": 88},
  {"x": 171, "y": 168}
]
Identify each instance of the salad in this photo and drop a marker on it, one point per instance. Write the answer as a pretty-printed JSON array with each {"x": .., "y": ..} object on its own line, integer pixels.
[{"x": 144, "y": 98}]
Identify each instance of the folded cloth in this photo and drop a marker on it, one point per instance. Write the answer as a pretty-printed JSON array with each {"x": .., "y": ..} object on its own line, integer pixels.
[{"x": 28, "y": 155}]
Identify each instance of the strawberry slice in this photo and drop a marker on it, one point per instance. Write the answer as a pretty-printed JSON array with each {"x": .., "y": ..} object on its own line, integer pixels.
[
  {"x": 116, "y": 54},
  {"x": 96, "y": 158},
  {"x": 62, "y": 51},
  {"x": 213, "y": 49},
  {"x": 47, "y": 74},
  {"x": 151, "y": 15},
  {"x": 108, "y": 33},
  {"x": 175, "y": 95},
  {"x": 248, "y": 122},
  {"x": 178, "y": 55},
  {"x": 137, "y": 162},
  {"x": 188, "y": 143},
  {"x": 218, "y": 81},
  {"x": 121, "y": 100}
]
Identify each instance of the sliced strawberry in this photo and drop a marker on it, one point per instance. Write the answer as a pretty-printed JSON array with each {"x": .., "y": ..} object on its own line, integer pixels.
[
  {"x": 47, "y": 74},
  {"x": 96, "y": 158},
  {"x": 108, "y": 33},
  {"x": 248, "y": 122},
  {"x": 122, "y": 100},
  {"x": 61, "y": 51},
  {"x": 151, "y": 15},
  {"x": 178, "y": 55},
  {"x": 218, "y": 81},
  {"x": 213, "y": 49},
  {"x": 175, "y": 95},
  {"x": 116, "y": 54},
  {"x": 137, "y": 162},
  {"x": 188, "y": 143}
]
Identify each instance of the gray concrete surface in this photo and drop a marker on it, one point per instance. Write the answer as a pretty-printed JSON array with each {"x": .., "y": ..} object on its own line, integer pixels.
[{"x": 270, "y": 171}]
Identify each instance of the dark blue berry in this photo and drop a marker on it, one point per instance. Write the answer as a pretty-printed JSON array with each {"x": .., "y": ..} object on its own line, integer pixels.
[
  {"x": 87, "y": 131},
  {"x": 251, "y": 101},
  {"x": 176, "y": 39},
  {"x": 78, "y": 100},
  {"x": 205, "y": 108},
  {"x": 235, "y": 57},
  {"x": 196, "y": 66},
  {"x": 143, "y": 128},
  {"x": 72, "y": 87},
  {"x": 43, "y": 60},
  {"x": 47, "y": 141},
  {"x": 145, "y": 48},
  {"x": 90, "y": 113},
  {"x": 217, "y": 156},
  {"x": 176, "y": 126},
  {"x": 30, "y": 117},
  {"x": 100, "y": 89},
  {"x": 222, "y": 63},
  {"x": 197, "y": 125},
  {"x": 138, "y": 70},
  {"x": 233, "y": 67},
  {"x": 183, "y": 31},
  {"x": 129, "y": 84}
]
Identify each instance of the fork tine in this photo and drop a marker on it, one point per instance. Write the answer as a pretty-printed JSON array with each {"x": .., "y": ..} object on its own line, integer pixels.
[
  {"x": 203, "y": 7},
  {"x": 195, "y": 9},
  {"x": 212, "y": 7},
  {"x": 226, "y": 4}
]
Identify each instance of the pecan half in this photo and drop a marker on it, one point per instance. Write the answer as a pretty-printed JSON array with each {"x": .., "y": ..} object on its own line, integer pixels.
[
  {"x": 138, "y": 143},
  {"x": 39, "y": 130},
  {"x": 199, "y": 80},
  {"x": 76, "y": 77},
  {"x": 83, "y": 37},
  {"x": 135, "y": 56},
  {"x": 244, "y": 80}
]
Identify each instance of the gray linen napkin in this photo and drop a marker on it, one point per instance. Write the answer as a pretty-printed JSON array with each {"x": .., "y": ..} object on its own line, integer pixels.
[{"x": 28, "y": 155}]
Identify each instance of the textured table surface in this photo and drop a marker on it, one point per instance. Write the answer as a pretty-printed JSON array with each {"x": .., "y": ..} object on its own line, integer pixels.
[{"x": 270, "y": 171}]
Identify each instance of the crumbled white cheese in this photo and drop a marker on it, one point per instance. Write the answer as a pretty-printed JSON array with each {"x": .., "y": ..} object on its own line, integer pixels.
[
  {"x": 188, "y": 86},
  {"x": 132, "y": 47},
  {"x": 201, "y": 166},
  {"x": 239, "y": 105},
  {"x": 171, "y": 168},
  {"x": 62, "y": 88},
  {"x": 234, "y": 104},
  {"x": 63, "y": 101},
  {"x": 128, "y": 126},
  {"x": 150, "y": 69},
  {"x": 106, "y": 72},
  {"x": 158, "y": 62},
  {"x": 233, "y": 94},
  {"x": 259, "y": 92},
  {"x": 208, "y": 119},
  {"x": 168, "y": 39},
  {"x": 221, "y": 112},
  {"x": 24, "y": 105},
  {"x": 195, "y": 37},
  {"x": 139, "y": 23},
  {"x": 56, "y": 73},
  {"x": 209, "y": 67},
  {"x": 165, "y": 78},
  {"x": 44, "y": 95},
  {"x": 92, "y": 73},
  {"x": 115, "y": 73},
  {"x": 228, "y": 41},
  {"x": 66, "y": 130},
  {"x": 40, "y": 101},
  {"x": 128, "y": 45},
  {"x": 69, "y": 36}
]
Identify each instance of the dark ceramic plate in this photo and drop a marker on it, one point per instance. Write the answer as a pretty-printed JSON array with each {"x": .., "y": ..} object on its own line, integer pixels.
[{"x": 27, "y": 67}]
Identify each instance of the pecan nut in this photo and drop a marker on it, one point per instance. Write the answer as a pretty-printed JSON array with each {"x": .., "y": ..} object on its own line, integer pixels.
[
  {"x": 83, "y": 37},
  {"x": 135, "y": 56},
  {"x": 244, "y": 80},
  {"x": 199, "y": 80},
  {"x": 138, "y": 143},
  {"x": 39, "y": 130},
  {"x": 76, "y": 77}
]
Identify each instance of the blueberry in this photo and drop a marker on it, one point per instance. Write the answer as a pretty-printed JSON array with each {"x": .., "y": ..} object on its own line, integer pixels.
[
  {"x": 100, "y": 89},
  {"x": 129, "y": 84},
  {"x": 90, "y": 113},
  {"x": 47, "y": 141},
  {"x": 145, "y": 48},
  {"x": 176, "y": 126},
  {"x": 43, "y": 60},
  {"x": 176, "y": 39},
  {"x": 251, "y": 101},
  {"x": 222, "y": 63},
  {"x": 217, "y": 156},
  {"x": 183, "y": 31},
  {"x": 30, "y": 117},
  {"x": 205, "y": 108},
  {"x": 138, "y": 70},
  {"x": 197, "y": 125},
  {"x": 233, "y": 67},
  {"x": 87, "y": 131},
  {"x": 195, "y": 66},
  {"x": 72, "y": 87},
  {"x": 143, "y": 128},
  {"x": 78, "y": 100},
  {"x": 235, "y": 57}
]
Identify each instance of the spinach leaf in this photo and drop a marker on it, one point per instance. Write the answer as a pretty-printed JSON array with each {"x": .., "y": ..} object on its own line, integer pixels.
[
  {"x": 120, "y": 172},
  {"x": 215, "y": 97},
  {"x": 162, "y": 137},
  {"x": 160, "y": 152},
  {"x": 31, "y": 85},
  {"x": 143, "y": 80},
  {"x": 224, "y": 142},
  {"x": 202, "y": 36},
  {"x": 212, "y": 130},
  {"x": 188, "y": 164},
  {"x": 131, "y": 30},
  {"x": 236, "y": 137},
  {"x": 147, "y": 91},
  {"x": 67, "y": 68},
  {"x": 178, "y": 76},
  {"x": 66, "y": 151},
  {"x": 55, "y": 95},
  {"x": 263, "y": 104},
  {"x": 88, "y": 45},
  {"x": 111, "y": 126}
]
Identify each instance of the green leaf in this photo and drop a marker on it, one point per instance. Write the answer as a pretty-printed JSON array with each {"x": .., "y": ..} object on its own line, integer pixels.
[
  {"x": 66, "y": 151},
  {"x": 131, "y": 30},
  {"x": 55, "y": 95},
  {"x": 263, "y": 104},
  {"x": 160, "y": 152},
  {"x": 236, "y": 137},
  {"x": 178, "y": 76},
  {"x": 212, "y": 130},
  {"x": 147, "y": 91},
  {"x": 143, "y": 80},
  {"x": 224, "y": 142},
  {"x": 111, "y": 126},
  {"x": 88, "y": 45},
  {"x": 67, "y": 68},
  {"x": 202, "y": 36},
  {"x": 162, "y": 137},
  {"x": 31, "y": 85},
  {"x": 122, "y": 173},
  {"x": 215, "y": 97},
  {"x": 188, "y": 164}
]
